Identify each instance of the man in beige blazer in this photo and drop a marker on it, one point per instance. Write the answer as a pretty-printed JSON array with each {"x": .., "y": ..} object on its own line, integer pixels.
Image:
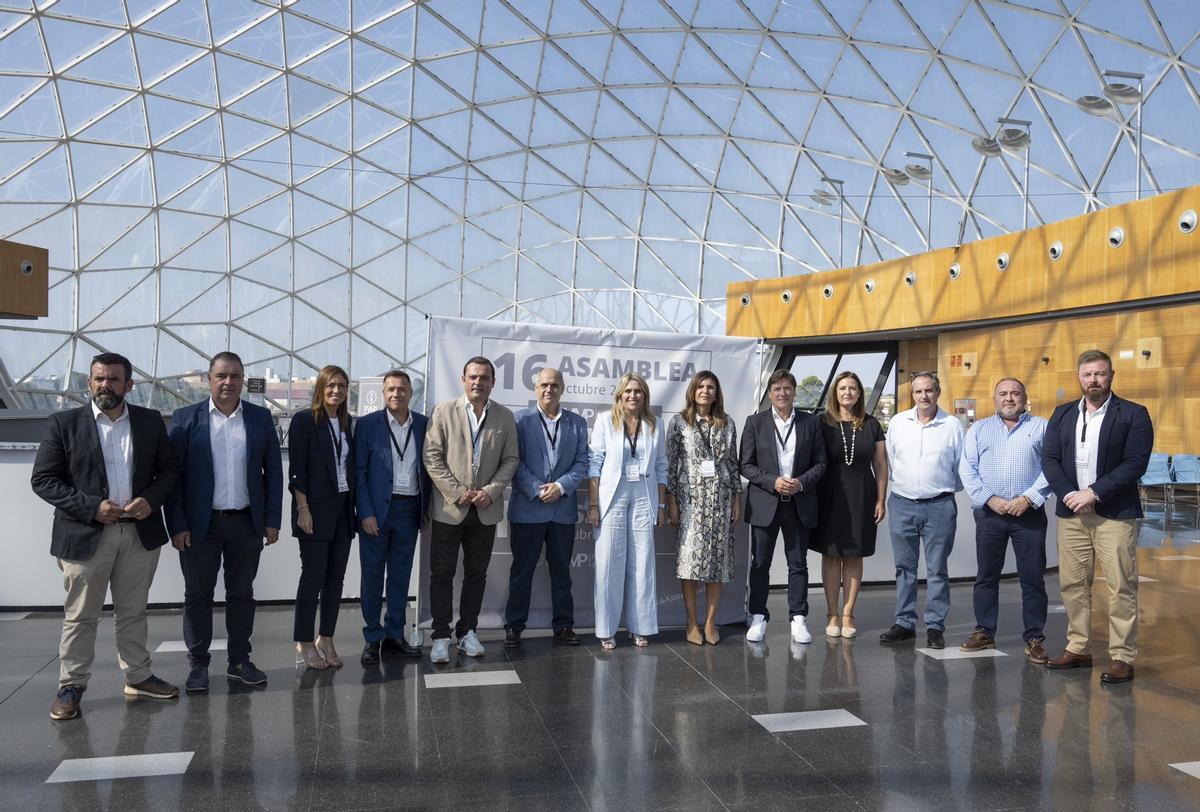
[{"x": 471, "y": 456}]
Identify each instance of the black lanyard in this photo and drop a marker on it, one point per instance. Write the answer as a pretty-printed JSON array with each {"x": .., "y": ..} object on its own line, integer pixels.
[
  {"x": 633, "y": 441},
  {"x": 407, "y": 438},
  {"x": 336, "y": 436},
  {"x": 1084, "y": 417},
  {"x": 475, "y": 434},
  {"x": 553, "y": 438},
  {"x": 781, "y": 437},
  {"x": 705, "y": 437}
]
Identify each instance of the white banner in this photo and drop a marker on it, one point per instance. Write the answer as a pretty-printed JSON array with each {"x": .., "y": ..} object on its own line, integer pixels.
[{"x": 592, "y": 361}]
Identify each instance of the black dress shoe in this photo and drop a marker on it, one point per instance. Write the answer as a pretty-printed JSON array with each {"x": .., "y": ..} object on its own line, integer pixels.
[
  {"x": 567, "y": 636},
  {"x": 512, "y": 638},
  {"x": 934, "y": 639},
  {"x": 246, "y": 672},
  {"x": 370, "y": 654},
  {"x": 197, "y": 680},
  {"x": 897, "y": 633},
  {"x": 393, "y": 645}
]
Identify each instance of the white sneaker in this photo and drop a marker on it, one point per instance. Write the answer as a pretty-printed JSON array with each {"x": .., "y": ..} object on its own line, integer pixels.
[
  {"x": 758, "y": 629},
  {"x": 469, "y": 645},
  {"x": 800, "y": 630},
  {"x": 440, "y": 653}
]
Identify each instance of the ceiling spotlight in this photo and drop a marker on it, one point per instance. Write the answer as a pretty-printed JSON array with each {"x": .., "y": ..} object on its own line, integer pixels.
[
  {"x": 1013, "y": 139},
  {"x": 917, "y": 171},
  {"x": 822, "y": 197},
  {"x": 1094, "y": 105},
  {"x": 895, "y": 176},
  {"x": 985, "y": 146},
  {"x": 1122, "y": 93}
]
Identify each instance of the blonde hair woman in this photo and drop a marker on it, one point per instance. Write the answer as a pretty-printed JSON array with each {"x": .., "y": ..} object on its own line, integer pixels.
[{"x": 627, "y": 486}]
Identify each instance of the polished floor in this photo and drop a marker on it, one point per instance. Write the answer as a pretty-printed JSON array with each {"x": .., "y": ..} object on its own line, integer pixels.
[{"x": 835, "y": 725}]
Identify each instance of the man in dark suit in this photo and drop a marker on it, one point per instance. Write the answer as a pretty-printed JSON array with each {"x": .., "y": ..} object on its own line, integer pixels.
[
  {"x": 230, "y": 499},
  {"x": 1096, "y": 450},
  {"x": 544, "y": 507},
  {"x": 783, "y": 457},
  {"x": 107, "y": 468},
  {"x": 393, "y": 503}
]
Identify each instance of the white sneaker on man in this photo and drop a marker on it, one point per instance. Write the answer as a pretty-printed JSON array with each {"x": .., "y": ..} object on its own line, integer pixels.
[
  {"x": 469, "y": 645},
  {"x": 440, "y": 653},
  {"x": 800, "y": 632},
  {"x": 758, "y": 629}
]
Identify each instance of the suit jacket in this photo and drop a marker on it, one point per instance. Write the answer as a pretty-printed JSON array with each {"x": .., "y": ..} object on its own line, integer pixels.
[
  {"x": 313, "y": 472},
  {"x": 448, "y": 460},
  {"x": 1126, "y": 439},
  {"x": 190, "y": 507},
  {"x": 534, "y": 468},
  {"x": 373, "y": 464},
  {"x": 760, "y": 465},
  {"x": 607, "y": 455},
  {"x": 69, "y": 474}
]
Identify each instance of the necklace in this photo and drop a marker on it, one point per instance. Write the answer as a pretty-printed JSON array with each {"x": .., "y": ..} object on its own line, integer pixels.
[{"x": 847, "y": 445}]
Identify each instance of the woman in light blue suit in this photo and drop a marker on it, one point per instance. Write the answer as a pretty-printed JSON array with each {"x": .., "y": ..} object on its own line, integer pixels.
[{"x": 627, "y": 486}]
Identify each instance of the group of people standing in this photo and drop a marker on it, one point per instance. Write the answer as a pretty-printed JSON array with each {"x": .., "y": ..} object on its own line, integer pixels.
[{"x": 112, "y": 471}]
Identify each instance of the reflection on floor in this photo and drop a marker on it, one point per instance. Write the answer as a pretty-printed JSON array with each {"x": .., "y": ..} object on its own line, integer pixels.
[{"x": 834, "y": 725}]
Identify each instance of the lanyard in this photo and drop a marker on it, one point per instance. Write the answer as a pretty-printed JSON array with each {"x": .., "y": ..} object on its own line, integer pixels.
[
  {"x": 407, "y": 438},
  {"x": 1084, "y": 415},
  {"x": 705, "y": 435},
  {"x": 475, "y": 434},
  {"x": 783, "y": 438},
  {"x": 633, "y": 441},
  {"x": 553, "y": 438},
  {"x": 337, "y": 441}
]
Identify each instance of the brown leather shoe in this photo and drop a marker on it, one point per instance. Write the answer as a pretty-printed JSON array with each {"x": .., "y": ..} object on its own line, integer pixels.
[
  {"x": 1070, "y": 659},
  {"x": 66, "y": 704},
  {"x": 1035, "y": 651},
  {"x": 1117, "y": 671},
  {"x": 978, "y": 641}
]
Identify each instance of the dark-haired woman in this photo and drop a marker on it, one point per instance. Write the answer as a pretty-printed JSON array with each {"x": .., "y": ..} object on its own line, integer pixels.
[
  {"x": 702, "y": 488},
  {"x": 852, "y": 497},
  {"x": 322, "y": 484}
]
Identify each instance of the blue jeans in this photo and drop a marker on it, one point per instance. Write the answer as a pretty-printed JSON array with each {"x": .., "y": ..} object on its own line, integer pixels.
[
  {"x": 1028, "y": 534},
  {"x": 388, "y": 558},
  {"x": 932, "y": 525}
]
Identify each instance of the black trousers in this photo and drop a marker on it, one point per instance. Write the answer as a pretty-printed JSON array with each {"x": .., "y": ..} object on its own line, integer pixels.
[
  {"x": 476, "y": 539},
  {"x": 233, "y": 540},
  {"x": 762, "y": 550},
  {"x": 322, "y": 570},
  {"x": 527, "y": 540},
  {"x": 1028, "y": 534}
]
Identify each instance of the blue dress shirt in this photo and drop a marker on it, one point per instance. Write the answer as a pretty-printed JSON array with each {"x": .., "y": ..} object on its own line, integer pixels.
[{"x": 1004, "y": 462}]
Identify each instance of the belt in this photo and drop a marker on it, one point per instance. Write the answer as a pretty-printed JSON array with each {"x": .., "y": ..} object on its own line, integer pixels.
[
  {"x": 929, "y": 499},
  {"x": 405, "y": 495},
  {"x": 237, "y": 512},
  {"x": 126, "y": 520}
]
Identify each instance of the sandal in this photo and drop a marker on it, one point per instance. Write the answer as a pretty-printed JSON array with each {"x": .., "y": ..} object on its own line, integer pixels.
[
  {"x": 608, "y": 643},
  {"x": 639, "y": 640},
  {"x": 310, "y": 657},
  {"x": 831, "y": 627},
  {"x": 328, "y": 653},
  {"x": 848, "y": 629}
]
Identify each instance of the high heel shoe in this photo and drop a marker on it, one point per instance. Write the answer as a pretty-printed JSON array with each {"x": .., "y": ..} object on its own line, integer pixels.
[
  {"x": 328, "y": 653},
  {"x": 848, "y": 629},
  {"x": 831, "y": 627},
  {"x": 694, "y": 636},
  {"x": 712, "y": 637},
  {"x": 639, "y": 640},
  {"x": 608, "y": 643},
  {"x": 310, "y": 658}
]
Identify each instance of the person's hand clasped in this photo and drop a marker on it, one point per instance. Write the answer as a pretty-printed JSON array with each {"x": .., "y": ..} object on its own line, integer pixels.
[
  {"x": 786, "y": 486},
  {"x": 482, "y": 499},
  {"x": 549, "y": 493},
  {"x": 1018, "y": 506},
  {"x": 661, "y": 518},
  {"x": 1080, "y": 501},
  {"x": 673, "y": 513},
  {"x": 108, "y": 512},
  {"x": 139, "y": 509}
]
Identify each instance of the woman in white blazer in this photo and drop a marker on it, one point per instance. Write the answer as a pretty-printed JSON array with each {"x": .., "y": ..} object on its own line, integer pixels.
[{"x": 627, "y": 486}]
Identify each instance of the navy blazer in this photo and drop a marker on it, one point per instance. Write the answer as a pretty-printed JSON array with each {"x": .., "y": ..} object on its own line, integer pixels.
[
  {"x": 534, "y": 469},
  {"x": 1126, "y": 439},
  {"x": 69, "y": 474},
  {"x": 313, "y": 472},
  {"x": 190, "y": 507},
  {"x": 760, "y": 465},
  {"x": 373, "y": 464}
]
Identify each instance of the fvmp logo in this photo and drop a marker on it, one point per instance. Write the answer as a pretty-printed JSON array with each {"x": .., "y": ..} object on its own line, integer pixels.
[{"x": 583, "y": 560}]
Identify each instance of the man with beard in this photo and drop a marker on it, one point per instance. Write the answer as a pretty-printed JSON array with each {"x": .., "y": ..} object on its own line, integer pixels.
[
  {"x": 107, "y": 468},
  {"x": 1096, "y": 450},
  {"x": 1001, "y": 468}
]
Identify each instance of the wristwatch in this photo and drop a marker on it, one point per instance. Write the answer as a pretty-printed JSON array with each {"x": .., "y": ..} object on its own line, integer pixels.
[{"x": 662, "y": 505}]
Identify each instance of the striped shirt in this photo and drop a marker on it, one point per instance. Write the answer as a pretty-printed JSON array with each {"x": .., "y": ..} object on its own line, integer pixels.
[{"x": 1004, "y": 462}]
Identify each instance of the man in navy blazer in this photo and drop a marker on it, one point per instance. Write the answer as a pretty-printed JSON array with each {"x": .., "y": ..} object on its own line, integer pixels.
[
  {"x": 544, "y": 508},
  {"x": 230, "y": 498},
  {"x": 783, "y": 457},
  {"x": 393, "y": 503},
  {"x": 1095, "y": 452}
]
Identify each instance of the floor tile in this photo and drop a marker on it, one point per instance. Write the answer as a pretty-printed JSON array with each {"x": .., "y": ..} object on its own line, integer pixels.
[
  {"x": 808, "y": 720},
  {"x": 1191, "y": 768},
  {"x": 109, "y": 767},
  {"x": 176, "y": 646}
]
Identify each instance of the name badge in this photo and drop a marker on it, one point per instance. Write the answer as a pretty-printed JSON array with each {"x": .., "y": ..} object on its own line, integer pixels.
[
  {"x": 404, "y": 482},
  {"x": 632, "y": 472},
  {"x": 708, "y": 469},
  {"x": 1081, "y": 454}
]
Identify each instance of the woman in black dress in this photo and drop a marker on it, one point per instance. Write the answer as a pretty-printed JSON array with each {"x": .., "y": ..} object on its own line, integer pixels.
[{"x": 852, "y": 495}]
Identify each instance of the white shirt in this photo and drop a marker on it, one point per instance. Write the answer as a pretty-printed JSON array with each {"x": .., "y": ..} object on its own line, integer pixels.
[
  {"x": 785, "y": 430},
  {"x": 923, "y": 457},
  {"x": 117, "y": 445},
  {"x": 476, "y": 433},
  {"x": 404, "y": 471},
  {"x": 1087, "y": 447},
  {"x": 550, "y": 429},
  {"x": 227, "y": 438},
  {"x": 339, "y": 459}
]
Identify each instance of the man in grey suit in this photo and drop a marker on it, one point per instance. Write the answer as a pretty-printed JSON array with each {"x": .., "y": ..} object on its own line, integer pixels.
[
  {"x": 107, "y": 468},
  {"x": 471, "y": 455}
]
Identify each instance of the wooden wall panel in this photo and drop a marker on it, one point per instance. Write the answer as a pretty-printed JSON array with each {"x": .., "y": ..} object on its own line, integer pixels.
[{"x": 24, "y": 296}]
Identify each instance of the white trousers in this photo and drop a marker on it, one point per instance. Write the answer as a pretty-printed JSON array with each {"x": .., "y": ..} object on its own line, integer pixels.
[{"x": 625, "y": 565}]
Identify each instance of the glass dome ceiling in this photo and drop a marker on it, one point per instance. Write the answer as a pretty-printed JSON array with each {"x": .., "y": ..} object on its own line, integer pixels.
[{"x": 305, "y": 181}]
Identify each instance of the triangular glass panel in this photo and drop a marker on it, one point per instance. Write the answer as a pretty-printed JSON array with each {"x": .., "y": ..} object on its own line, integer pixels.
[
  {"x": 131, "y": 247},
  {"x": 197, "y": 82},
  {"x": 247, "y": 243},
  {"x": 273, "y": 269},
  {"x": 501, "y": 25},
  {"x": 208, "y": 254},
  {"x": 331, "y": 127},
  {"x": 480, "y": 248},
  {"x": 940, "y": 99},
  {"x": 21, "y": 50},
  {"x": 1129, "y": 21},
  {"x": 662, "y": 49},
  {"x": 371, "y": 123},
  {"x": 157, "y": 57},
  {"x": 388, "y": 272},
  {"x": 336, "y": 15},
  {"x": 391, "y": 153},
  {"x": 816, "y": 57},
  {"x": 369, "y": 242},
  {"x": 549, "y": 127},
  {"x": 884, "y": 22},
  {"x": 901, "y": 70},
  {"x": 480, "y": 303},
  {"x": 272, "y": 214},
  {"x": 46, "y": 179},
  {"x": 775, "y": 162},
  {"x": 186, "y": 19},
  {"x": 855, "y": 79},
  {"x": 331, "y": 186},
  {"x": 427, "y": 213},
  {"x": 577, "y": 107},
  {"x": 368, "y": 301},
  {"x": 647, "y": 15},
  {"x": 246, "y": 190},
  {"x": 125, "y": 125},
  {"x": 521, "y": 60},
  {"x": 331, "y": 67},
  {"x": 94, "y": 162},
  {"x": 395, "y": 33},
  {"x": 753, "y": 121},
  {"x": 487, "y": 139},
  {"x": 465, "y": 17},
  {"x": 591, "y": 53},
  {"x": 203, "y": 138},
  {"x": 935, "y": 18},
  {"x": 35, "y": 116},
  {"x": 242, "y": 134},
  {"x": 774, "y": 68},
  {"x": 132, "y": 187},
  {"x": 457, "y": 72},
  {"x": 432, "y": 98},
  {"x": 237, "y": 77},
  {"x": 559, "y": 74},
  {"x": 646, "y": 103},
  {"x": 269, "y": 103},
  {"x": 393, "y": 93},
  {"x": 263, "y": 42},
  {"x": 874, "y": 125},
  {"x": 972, "y": 39},
  {"x": 737, "y": 51},
  {"x": 113, "y": 63},
  {"x": 66, "y": 40},
  {"x": 613, "y": 122},
  {"x": 793, "y": 110},
  {"x": 177, "y": 229},
  {"x": 371, "y": 183},
  {"x": 372, "y": 64},
  {"x": 571, "y": 16},
  {"x": 83, "y": 103},
  {"x": 428, "y": 156},
  {"x": 1027, "y": 36},
  {"x": 436, "y": 38},
  {"x": 303, "y": 38}
]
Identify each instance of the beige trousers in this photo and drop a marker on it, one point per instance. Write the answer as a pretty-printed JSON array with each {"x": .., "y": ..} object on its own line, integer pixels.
[
  {"x": 1084, "y": 540},
  {"x": 122, "y": 563}
]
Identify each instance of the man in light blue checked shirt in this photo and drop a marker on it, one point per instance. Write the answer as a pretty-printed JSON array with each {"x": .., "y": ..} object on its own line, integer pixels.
[{"x": 1001, "y": 469}]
